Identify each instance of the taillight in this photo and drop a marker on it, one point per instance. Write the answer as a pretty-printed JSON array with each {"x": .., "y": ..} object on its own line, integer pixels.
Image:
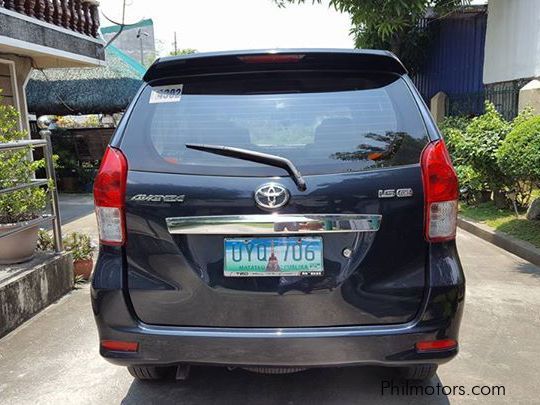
[
  {"x": 109, "y": 197},
  {"x": 440, "y": 193}
]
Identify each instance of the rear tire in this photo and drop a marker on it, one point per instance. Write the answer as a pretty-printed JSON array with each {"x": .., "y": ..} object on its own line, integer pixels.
[
  {"x": 149, "y": 372},
  {"x": 419, "y": 373}
]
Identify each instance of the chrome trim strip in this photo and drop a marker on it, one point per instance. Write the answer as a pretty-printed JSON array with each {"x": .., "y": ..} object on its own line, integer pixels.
[
  {"x": 274, "y": 224},
  {"x": 279, "y": 333}
]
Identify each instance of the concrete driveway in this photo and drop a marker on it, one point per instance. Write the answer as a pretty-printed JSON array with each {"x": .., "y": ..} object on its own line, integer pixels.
[{"x": 53, "y": 358}]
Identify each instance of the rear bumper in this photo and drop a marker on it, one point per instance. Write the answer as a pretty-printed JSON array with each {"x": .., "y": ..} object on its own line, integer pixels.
[{"x": 391, "y": 345}]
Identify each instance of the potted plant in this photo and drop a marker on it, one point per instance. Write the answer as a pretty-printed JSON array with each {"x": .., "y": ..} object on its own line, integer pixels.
[
  {"x": 20, "y": 207},
  {"x": 45, "y": 241},
  {"x": 82, "y": 250}
]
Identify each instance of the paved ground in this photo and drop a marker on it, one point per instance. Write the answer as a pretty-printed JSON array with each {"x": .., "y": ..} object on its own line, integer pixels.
[
  {"x": 77, "y": 214},
  {"x": 53, "y": 358}
]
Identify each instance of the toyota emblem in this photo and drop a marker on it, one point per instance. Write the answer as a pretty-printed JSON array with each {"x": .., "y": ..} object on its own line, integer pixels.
[{"x": 271, "y": 196}]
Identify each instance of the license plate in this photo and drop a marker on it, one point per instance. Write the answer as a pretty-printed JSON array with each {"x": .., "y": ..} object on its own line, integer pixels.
[{"x": 271, "y": 257}]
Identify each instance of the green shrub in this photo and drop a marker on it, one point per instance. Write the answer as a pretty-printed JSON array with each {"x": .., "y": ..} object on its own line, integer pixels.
[
  {"x": 455, "y": 122},
  {"x": 472, "y": 186},
  {"x": 45, "y": 241},
  {"x": 481, "y": 142},
  {"x": 519, "y": 157},
  {"x": 455, "y": 142},
  {"x": 15, "y": 169},
  {"x": 473, "y": 144},
  {"x": 519, "y": 154},
  {"x": 486, "y": 161},
  {"x": 80, "y": 246}
]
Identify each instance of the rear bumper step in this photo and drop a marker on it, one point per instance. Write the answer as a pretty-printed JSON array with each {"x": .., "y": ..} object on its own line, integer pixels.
[
  {"x": 306, "y": 352},
  {"x": 392, "y": 345},
  {"x": 437, "y": 318}
]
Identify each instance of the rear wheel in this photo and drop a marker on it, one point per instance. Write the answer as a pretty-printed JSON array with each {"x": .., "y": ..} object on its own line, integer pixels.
[
  {"x": 150, "y": 372},
  {"x": 419, "y": 372}
]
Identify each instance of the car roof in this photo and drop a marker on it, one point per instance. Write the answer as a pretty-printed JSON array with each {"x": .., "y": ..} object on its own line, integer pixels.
[{"x": 311, "y": 59}]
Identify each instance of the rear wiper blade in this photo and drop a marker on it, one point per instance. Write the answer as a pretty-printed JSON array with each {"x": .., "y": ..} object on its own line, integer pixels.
[{"x": 253, "y": 156}]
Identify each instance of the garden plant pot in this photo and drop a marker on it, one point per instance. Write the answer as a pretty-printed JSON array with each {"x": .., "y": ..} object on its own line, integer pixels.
[
  {"x": 83, "y": 268},
  {"x": 19, "y": 247}
]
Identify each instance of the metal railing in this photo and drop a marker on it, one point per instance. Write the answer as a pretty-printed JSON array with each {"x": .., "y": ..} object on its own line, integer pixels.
[
  {"x": 75, "y": 15},
  {"x": 504, "y": 96},
  {"x": 54, "y": 217}
]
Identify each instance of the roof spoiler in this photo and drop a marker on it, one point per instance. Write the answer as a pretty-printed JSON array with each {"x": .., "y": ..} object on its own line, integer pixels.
[{"x": 268, "y": 60}]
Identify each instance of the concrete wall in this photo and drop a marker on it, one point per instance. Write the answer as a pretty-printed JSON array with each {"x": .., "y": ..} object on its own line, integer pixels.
[
  {"x": 512, "y": 40},
  {"x": 529, "y": 96},
  {"x": 6, "y": 85},
  {"x": 47, "y": 44},
  {"x": 27, "y": 288}
]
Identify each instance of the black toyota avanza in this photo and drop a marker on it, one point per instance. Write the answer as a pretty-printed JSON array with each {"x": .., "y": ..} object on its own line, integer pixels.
[{"x": 277, "y": 210}]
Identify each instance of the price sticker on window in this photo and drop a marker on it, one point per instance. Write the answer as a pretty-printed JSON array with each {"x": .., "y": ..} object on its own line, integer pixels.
[{"x": 166, "y": 94}]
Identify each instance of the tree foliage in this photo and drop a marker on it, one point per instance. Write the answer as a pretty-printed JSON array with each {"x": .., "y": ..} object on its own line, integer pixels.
[
  {"x": 186, "y": 51},
  {"x": 390, "y": 24}
]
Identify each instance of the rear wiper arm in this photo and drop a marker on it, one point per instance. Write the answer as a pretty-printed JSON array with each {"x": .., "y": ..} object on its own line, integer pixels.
[{"x": 253, "y": 156}]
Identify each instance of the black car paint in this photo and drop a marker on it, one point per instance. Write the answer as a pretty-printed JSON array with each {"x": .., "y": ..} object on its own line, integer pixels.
[
  {"x": 368, "y": 288},
  {"x": 393, "y": 345},
  {"x": 315, "y": 59},
  {"x": 377, "y": 334}
]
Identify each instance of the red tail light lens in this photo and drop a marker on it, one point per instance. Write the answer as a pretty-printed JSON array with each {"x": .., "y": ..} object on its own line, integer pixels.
[
  {"x": 271, "y": 58},
  {"x": 109, "y": 197},
  {"x": 440, "y": 193},
  {"x": 436, "y": 345},
  {"x": 119, "y": 346}
]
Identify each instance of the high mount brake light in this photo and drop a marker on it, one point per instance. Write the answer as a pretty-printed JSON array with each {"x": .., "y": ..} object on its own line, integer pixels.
[
  {"x": 109, "y": 197},
  {"x": 440, "y": 193},
  {"x": 271, "y": 58}
]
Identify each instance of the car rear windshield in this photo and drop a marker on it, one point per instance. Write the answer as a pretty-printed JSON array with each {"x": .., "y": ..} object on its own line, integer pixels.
[{"x": 325, "y": 122}]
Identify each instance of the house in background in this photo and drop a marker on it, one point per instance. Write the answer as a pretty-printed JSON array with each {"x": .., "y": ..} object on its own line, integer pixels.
[
  {"x": 455, "y": 60},
  {"x": 44, "y": 34},
  {"x": 38, "y": 35},
  {"x": 93, "y": 99},
  {"x": 136, "y": 40},
  {"x": 106, "y": 89},
  {"x": 483, "y": 52},
  {"x": 512, "y": 52}
]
